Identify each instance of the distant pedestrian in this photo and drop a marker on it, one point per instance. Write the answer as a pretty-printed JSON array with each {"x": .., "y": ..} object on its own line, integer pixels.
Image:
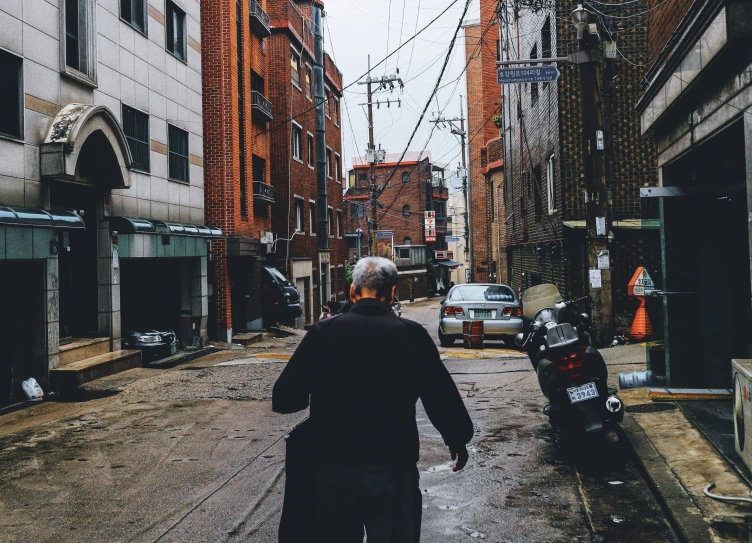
[{"x": 363, "y": 373}]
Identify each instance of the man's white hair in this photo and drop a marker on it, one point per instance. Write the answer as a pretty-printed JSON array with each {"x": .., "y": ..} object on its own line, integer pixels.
[{"x": 376, "y": 274}]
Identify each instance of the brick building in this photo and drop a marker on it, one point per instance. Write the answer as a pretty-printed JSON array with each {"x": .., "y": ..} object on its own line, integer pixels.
[
  {"x": 238, "y": 195},
  {"x": 697, "y": 107},
  {"x": 484, "y": 142},
  {"x": 543, "y": 188},
  {"x": 315, "y": 266}
]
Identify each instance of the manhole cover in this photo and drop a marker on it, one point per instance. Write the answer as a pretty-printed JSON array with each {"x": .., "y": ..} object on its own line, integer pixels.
[{"x": 650, "y": 407}]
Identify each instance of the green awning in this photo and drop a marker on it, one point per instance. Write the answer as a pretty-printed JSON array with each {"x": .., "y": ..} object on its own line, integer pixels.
[
  {"x": 127, "y": 225},
  {"x": 40, "y": 218},
  {"x": 449, "y": 264}
]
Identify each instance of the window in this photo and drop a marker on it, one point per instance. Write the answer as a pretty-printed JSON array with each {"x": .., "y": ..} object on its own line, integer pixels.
[
  {"x": 405, "y": 177},
  {"x": 362, "y": 179},
  {"x": 295, "y": 68},
  {"x": 407, "y": 241},
  {"x": 11, "y": 93},
  {"x": 311, "y": 155},
  {"x": 296, "y": 136},
  {"x": 312, "y": 217},
  {"x": 175, "y": 30},
  {"x": 546, "y": 39},
  {"x": 498, "y": 50},
  {"x": 136, "y": 128},
  {"x": 550, "y": 180},
  {"x": 239, "y": 40},
  {"x": 79, "y": 53},
  {"x": 330, "y": 221},
  {"x": 299, "y": 226},
  {"x": 177, "y": 145},
  {"x": 406, "y": 211},
  {"x": 538, "y": 197},
  {"x": 309, "y": 83},
  {"x": 449, "y": 230},
  {"x": 259, "y": 168},
  {"x": 133, "y": 12},
  {"x": 404, "y": 252},
  {"x": 339, "y": 223},
  {"x": 357, "y": 211},
  {"x": 337, "y": 160},
  {"x": 327, "y": 98},
  {"x": 329, "y": 163},
  {"x": 335, "y": 108}
]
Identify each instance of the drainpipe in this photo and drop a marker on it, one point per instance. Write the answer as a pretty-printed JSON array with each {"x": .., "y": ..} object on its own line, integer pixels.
[{"x": 318, "y": 90}]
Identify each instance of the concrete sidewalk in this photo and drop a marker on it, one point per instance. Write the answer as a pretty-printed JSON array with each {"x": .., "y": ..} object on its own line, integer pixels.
[{"x": 679, "y": 461}]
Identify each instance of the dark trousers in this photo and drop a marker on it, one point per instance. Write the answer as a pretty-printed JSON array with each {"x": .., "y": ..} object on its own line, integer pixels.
[{"x": 383, "y": 499}]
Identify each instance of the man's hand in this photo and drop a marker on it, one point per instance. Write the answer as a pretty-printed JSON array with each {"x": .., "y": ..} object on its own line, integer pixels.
[{"x": 461, "y": 455}]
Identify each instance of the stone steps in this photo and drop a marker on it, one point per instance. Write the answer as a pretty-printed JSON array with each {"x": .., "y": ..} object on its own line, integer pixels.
[
  {"x": 247, "y": 338},
  {"x": 68, "y": 378},
  {"x": 83, "y": 348}
]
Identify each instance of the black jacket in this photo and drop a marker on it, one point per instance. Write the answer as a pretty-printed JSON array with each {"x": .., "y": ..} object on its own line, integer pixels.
[{"x": 364, "y": 372}]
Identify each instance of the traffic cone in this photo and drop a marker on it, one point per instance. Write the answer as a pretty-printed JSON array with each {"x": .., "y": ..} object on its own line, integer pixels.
[{"x": 641, "y": 326}]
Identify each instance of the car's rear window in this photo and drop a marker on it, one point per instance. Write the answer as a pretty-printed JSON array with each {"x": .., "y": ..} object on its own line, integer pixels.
[{"x": 490, "y": 293}]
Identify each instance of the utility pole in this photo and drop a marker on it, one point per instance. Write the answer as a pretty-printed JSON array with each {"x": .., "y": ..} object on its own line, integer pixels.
[
  {"x": 384, "y": 83},
  {"x": 596, "y": 197},
  {"x": 463, "y": 173}
]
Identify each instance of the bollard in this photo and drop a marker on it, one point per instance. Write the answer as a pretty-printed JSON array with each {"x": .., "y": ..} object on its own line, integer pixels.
[{"x": 472, "y": 334}]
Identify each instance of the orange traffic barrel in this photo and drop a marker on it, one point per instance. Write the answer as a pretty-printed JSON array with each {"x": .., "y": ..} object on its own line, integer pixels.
[
  {"x": 642, "y": 328},
  {"x": 472, "y": 334}
]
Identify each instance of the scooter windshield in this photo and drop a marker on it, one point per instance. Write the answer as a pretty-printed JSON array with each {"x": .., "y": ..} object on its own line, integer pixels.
[{"x": 539, "y": 297}]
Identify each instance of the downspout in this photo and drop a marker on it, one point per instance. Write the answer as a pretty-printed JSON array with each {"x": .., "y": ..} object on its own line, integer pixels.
[{"x": 318, "y": 90}]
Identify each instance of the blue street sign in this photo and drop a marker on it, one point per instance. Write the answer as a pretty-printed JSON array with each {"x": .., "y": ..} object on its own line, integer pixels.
[
  {"x": 452, "y": 239},
  {"x": 384, "y": 235},
  {"x": 527, "y": 74}
]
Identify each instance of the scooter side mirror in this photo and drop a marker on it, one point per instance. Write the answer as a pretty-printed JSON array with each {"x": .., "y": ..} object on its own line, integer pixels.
[
  {"x": 585, "y": 320},
  {"x": 519, "y": 340}
]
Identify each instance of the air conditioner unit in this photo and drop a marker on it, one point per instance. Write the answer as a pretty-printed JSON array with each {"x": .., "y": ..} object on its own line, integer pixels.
[{"x": 742, "y": 375}]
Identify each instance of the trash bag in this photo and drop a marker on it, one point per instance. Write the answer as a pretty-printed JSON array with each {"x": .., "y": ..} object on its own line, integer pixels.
[
  {"x": 32, "y": 390},
  {"x": 298, "y": 522}
]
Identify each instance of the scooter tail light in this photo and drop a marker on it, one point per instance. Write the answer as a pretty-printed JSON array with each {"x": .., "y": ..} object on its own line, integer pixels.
[{"x": 571, "y": 361}]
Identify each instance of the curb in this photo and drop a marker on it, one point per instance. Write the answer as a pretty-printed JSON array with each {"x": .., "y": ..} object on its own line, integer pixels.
[{"x": 685, "y": 516}]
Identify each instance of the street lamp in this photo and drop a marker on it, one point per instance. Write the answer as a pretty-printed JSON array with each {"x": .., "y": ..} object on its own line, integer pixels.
[{"x": 580, "y": 20}]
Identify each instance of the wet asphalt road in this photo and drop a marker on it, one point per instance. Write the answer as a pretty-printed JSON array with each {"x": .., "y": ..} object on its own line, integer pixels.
[{"x": 194, "y": 453}]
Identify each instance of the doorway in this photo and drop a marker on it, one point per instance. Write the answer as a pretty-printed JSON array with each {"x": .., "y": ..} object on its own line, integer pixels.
[
  {"x": 706, "y": 265},
  {"x": 241, "y": 283},
  {"x": 78, "y": 261}
]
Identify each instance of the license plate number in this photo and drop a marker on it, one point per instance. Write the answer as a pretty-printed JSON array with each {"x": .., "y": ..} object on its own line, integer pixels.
[
  {"x": 582, "y": 393},
  {"x": 483, "y": 314}
]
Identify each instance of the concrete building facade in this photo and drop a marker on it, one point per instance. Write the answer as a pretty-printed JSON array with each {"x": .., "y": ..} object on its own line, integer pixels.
[{"x": 101, "y": 183}]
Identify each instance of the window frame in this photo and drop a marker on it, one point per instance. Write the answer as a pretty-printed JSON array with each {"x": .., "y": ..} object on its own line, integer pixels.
[
  {"x": 168, "y": 22},
  {"x": 337, "y": 169},
  {"x": 299, "y": 205},
  {"x": 330, "y": 221},
  {"x": 311, "y": 151},
  {"x": 407, "y": 240},
  {"x": 550, "y": 184},
  {"x": 21, "y": 117},
  {"x": 146, "y": 142},
  {"x": 406, "y": 210},
  {"x": 340, "y": 223},
  {"x": 296, "y": 54},
  {"x": 309, "y": 82},
  {"x": 360, "y": 213},
  {"x": 329, "y": 158},
  {"x": 312, "y": 217},
  {"x": 295, "y": 128},
  {"x": 327, "y": 106},
  {"x": 187, "y": 156},
  {"x": 87, "y": 76},
  {"x": 335, "y": 110},
  {"x": 144, "y": 14},
  {"x": 405, "y": 177}
]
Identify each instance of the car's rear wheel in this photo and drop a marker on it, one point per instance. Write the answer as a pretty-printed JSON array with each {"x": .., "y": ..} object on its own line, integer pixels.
[{"x": 446, "y": 341}]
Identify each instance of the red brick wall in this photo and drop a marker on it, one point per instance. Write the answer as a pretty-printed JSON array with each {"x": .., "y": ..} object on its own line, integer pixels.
[
  {"x": 221, "y": 137},
  {"x": 664, "y": 18},
  {"x": 483, "y": 102},
  {"x": 291, "y": 177}
]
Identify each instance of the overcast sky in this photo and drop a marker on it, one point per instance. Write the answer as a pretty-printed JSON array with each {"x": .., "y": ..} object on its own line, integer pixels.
[{"x": 356, "y": 28}]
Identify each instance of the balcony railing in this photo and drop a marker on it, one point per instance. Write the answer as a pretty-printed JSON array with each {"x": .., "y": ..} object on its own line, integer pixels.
[
  {"x": 263, "y": 192},
  {"x": 261, "y": 108},
  {"x": 440, "y": 193},
  {"x": 260, "y": 20},
  {"x": 358, "y": 193}
]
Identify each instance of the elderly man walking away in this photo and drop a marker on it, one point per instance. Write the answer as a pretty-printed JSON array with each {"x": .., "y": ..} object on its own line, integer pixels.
[{"x": 364, "y": 372}]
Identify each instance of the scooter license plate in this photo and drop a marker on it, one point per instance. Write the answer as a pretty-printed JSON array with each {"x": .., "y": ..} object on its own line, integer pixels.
[{"x": 582, "y": 393}]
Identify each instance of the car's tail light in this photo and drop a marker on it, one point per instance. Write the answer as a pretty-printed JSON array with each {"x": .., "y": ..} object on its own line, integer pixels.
[
  {"x": 570, "y": 362},
  {"x": 454, "y": 310},
  {"x": 511, "y": 312}
]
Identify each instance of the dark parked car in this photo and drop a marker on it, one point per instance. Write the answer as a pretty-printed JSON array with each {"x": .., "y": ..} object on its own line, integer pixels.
[
  {"x": 153, "y": 344},
  {"x": 280, "y": 300}
]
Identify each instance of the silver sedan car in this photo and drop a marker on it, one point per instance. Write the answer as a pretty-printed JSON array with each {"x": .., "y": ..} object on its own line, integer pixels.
[{"x": 496, "y": 305}]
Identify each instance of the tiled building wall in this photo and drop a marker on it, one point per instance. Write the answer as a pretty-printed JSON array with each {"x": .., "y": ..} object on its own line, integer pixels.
[
  {"x": 132, "y": 69},
  {"x": 663, "y": 19}
]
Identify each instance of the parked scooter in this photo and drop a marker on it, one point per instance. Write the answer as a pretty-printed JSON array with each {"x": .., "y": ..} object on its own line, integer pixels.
[{"x": 571, "y": 373}]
